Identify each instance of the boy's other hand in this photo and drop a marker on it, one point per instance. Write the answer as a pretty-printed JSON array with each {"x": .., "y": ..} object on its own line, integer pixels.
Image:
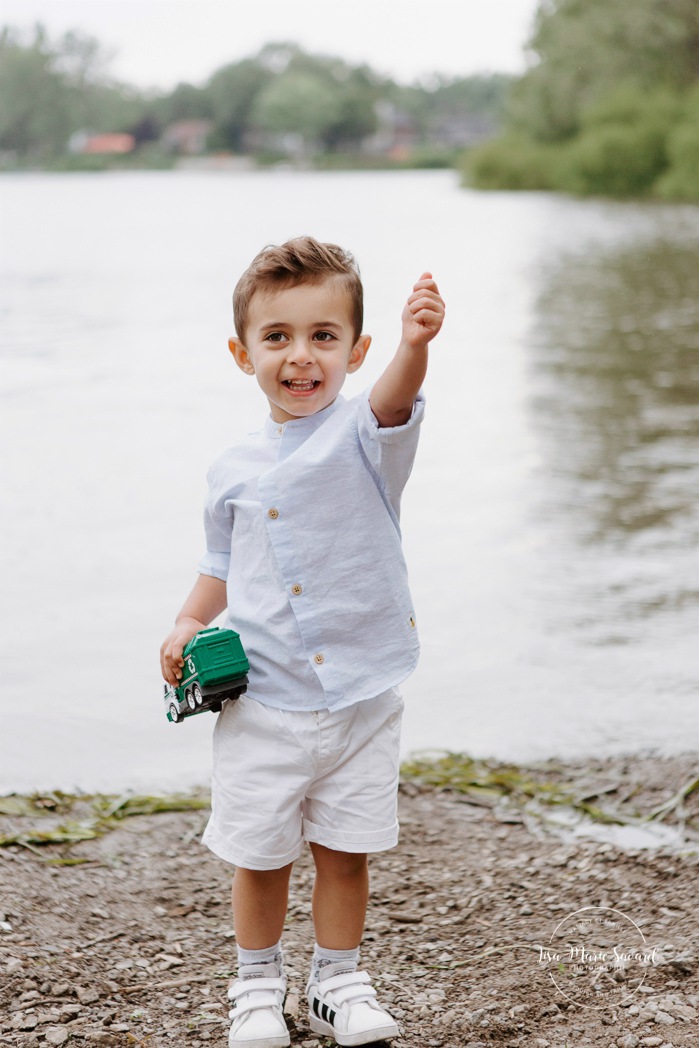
[
  {"x": 171, "y": 661},
  {"x": 423, "y": 313}
]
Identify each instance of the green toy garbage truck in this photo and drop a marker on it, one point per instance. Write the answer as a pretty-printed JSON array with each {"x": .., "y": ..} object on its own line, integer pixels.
[{"x": 215, "y": 669}]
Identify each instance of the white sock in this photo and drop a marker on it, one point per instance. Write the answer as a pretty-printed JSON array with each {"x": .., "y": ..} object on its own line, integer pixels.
[
  {"x": 270, "y": 955},
  {"x": 323, "y": 957}
]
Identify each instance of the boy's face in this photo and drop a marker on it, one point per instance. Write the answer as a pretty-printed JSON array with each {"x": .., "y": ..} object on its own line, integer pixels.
[{"x": 299, "y": 344}]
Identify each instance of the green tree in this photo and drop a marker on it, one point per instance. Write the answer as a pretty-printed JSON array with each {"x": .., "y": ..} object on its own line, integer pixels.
[
  {"x": 359, "y": 91},
  {"x": 603, "y": 108},
  {"x": 622, "y": 147},
  {"x": 232, "y": 91},
  {"x": 298, "y": 104},
  {"x": 681, "y": 180},
  {"x": 584, "y": 48},
  {"x": 35, "y": 114},
  {"x": 49, "y": 90}
]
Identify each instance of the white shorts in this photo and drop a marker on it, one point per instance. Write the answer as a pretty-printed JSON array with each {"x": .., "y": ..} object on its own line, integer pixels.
[{"x": 281, "y": 778}]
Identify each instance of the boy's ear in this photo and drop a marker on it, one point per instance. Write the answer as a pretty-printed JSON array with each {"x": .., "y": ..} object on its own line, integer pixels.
[
  {"x": 359, "y": 352},
  {"x": 241, "y": 356}
]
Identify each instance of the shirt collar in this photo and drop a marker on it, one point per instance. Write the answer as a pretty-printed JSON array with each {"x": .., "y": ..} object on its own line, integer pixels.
[{"x": 301, "y": 426}]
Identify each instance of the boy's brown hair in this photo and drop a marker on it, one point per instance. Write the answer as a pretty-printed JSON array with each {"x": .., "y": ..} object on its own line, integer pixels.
[{"x": 302, "y": 260}]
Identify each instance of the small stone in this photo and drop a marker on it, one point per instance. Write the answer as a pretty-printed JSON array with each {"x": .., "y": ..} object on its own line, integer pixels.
[
  {"x": 13, "y": 964},
  {"x": 652, "y": 1042},
  {"x": 56, "y": 1035},
  {"x": 24, "y": 1022},
  {"x": 406, "y": 918},
  {"x": 52, "y": 1016},
  {"x": 628, "y": 1040},
  {"x": 87, "y": 996},
  {"x": 663, "y": 1017}
]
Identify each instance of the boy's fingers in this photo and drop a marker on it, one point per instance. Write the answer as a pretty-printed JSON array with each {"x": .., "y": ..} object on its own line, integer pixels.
[
  {"x": 420, "y": 302},
  {"x": 425, "y": 280}
]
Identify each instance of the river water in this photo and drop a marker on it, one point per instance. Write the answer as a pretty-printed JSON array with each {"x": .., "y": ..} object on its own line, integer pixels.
[{"x": 551, "y": 523}]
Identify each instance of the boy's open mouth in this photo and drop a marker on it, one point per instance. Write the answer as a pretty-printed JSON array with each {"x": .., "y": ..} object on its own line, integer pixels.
[{"x": 297, "y": 385}]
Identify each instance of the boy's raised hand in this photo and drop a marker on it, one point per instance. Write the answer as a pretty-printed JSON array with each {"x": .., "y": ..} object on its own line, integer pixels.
[
  {"x": 393, "y": 395},
  {"x": 423, "y": 313}
]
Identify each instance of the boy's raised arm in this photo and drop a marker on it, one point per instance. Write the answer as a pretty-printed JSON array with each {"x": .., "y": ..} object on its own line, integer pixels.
[{"x": 393, "y": 395}]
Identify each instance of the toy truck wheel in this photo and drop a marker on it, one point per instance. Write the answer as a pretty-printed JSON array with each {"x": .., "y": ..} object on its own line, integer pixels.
[
  {"x": 197, "y": 695},
  {"x": 175, "y": 714},
  {"x": 190, "y": 699}
]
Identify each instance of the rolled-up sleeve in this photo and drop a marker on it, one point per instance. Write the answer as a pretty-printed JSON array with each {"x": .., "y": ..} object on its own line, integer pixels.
[
  {"x": 390, "y": 450},
  {"x": 217, "y": 529}
]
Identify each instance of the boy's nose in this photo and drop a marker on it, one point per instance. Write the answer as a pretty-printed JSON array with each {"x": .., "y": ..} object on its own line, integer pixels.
[{"x": 300, "y": 353}]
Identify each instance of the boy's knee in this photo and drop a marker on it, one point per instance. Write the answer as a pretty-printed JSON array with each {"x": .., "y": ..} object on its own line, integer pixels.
[
  {"x": 340, "y": 864},
  {"x": 261, "y": 877}
]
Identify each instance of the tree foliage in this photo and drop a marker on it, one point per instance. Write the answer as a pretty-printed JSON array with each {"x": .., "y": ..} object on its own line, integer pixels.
[
  {"x": 48, "y": 91},
  {"x": 584, "y": 49},
  {"x": 604, "y": 108}
]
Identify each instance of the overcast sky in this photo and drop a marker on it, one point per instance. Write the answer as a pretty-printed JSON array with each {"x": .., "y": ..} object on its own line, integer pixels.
[{"x": 161, "y": 42}]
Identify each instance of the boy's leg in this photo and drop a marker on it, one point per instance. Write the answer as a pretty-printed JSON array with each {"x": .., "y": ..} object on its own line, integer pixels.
[
  {"x": 341, "y": 1000},
  {"x": 260, "y": 899},
  {"x": 340, "y": 897}
]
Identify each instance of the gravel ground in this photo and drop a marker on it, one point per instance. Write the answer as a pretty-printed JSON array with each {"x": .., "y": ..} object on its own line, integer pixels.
[{"x": 470, "y": 937}]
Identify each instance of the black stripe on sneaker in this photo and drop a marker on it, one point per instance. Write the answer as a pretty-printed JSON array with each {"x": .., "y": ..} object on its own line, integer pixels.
[{"x": 324, "y": 1011}]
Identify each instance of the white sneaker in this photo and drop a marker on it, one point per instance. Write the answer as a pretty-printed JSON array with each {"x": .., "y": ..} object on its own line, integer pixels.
[
  {"x": 343, "y": 1005},
  {"x": 257, "y": 1015}
]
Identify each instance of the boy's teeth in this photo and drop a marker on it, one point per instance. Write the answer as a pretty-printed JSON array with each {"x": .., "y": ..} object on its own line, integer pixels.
[{"x": 296, "y": 383}]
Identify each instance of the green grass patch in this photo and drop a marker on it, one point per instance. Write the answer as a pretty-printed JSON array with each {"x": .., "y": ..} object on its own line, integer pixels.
[{"x": 89, "y": 816}]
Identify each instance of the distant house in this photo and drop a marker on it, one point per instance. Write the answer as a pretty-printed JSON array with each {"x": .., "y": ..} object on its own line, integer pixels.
[
  {"x": 115, "y": 142},
  {"x": 397, "y": 133},
  {"x": 461, "y": 131},
  {"x": 186, "y": 137}
]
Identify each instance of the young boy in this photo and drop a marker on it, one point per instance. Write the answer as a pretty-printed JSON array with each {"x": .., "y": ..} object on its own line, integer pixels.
[{"x": 303, "y": 549}]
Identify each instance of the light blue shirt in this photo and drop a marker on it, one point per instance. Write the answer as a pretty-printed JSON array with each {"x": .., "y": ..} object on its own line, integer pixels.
[{"x": 302, "y": 523}]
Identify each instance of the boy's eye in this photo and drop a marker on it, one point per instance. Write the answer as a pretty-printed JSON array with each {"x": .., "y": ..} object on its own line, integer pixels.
[
  {"x": 276, "y": 336},
  {"x": 323, "y": 336}
]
